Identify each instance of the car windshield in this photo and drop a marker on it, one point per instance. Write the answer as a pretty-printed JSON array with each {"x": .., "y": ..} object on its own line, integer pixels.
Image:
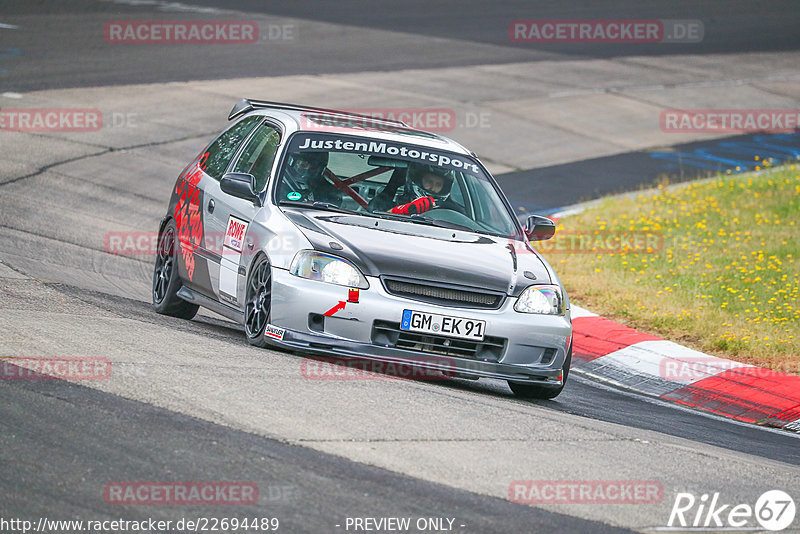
[{"x": 391, "y": 180}]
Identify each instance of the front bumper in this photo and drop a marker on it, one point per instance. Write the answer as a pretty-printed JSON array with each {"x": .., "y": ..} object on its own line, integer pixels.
[{"x": 534, "y": 349}]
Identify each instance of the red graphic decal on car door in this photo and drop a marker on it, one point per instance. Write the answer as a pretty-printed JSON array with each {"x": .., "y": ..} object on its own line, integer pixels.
[{"x": 188, "y": 215}]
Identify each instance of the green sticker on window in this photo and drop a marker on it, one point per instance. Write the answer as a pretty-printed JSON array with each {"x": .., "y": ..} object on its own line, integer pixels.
[{"x": 294, "y": 195}]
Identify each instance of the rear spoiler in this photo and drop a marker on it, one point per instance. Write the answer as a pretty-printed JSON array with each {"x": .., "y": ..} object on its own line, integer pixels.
[{"x": 246, "y": 105}]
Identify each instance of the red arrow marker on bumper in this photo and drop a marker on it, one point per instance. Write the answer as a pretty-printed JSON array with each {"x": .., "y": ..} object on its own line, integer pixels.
[{"x": 336, "y": 308}]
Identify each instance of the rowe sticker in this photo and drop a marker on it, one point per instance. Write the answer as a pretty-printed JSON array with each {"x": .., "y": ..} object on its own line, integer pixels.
[
  {"x": 234, "y": 235},
  {"x": 231, "y": 258}
]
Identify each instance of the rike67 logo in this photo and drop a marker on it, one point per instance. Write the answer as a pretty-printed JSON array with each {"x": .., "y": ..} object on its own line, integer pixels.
[{"x": 774, "y": 510}]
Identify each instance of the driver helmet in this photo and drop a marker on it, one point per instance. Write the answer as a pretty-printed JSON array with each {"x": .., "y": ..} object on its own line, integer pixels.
[
  {"x": 430, "y": 181},
  {"x": 306, "y": 167}
]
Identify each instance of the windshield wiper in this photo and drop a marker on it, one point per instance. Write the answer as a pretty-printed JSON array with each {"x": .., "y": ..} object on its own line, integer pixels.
[
  {"x": 421, "y": 219},
  {"x": 442, "y": 223},
  {"x": 415, "y": 218},
  {"x": 326, "y": 206}
]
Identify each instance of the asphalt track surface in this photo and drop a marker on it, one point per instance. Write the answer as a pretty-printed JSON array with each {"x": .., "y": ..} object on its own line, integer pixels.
[
  {"x": 61, "y": 49},
  {"x": 566, "y": 184},
  {"x": 60, "y": 442},
  {"x": 306, "y": 490}
]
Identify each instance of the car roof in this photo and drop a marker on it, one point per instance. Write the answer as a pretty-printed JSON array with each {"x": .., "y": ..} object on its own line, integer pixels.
[{"x": 321, "y": 120}]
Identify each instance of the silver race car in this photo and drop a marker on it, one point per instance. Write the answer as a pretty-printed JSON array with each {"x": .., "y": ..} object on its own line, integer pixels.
[{"x": 338, "y": 234}]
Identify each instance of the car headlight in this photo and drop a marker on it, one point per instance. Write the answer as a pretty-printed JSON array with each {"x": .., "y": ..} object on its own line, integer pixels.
[
  {"x": 327, "y": 268},
  {"x": 545, "y": 299}
]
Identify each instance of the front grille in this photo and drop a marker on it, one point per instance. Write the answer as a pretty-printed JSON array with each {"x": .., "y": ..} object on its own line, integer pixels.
[
  {"x": 442, "y": 294},
  {"x": 388, "y": 334}
]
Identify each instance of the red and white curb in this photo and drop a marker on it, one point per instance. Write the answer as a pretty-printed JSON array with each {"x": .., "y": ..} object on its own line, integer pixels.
[{"x": 620, "y": 355}]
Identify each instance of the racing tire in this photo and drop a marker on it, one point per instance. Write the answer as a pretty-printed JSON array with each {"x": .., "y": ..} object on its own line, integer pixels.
[
  {"x": 258, "y": 302},
  {"x": 535, "y": 391},
  {"x": 166, "y": 281}
]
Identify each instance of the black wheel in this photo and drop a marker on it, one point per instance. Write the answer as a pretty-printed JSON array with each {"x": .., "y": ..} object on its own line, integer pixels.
[
  {"x": 166, "y": 282},
  {"x": 534, "y": 391},
  {"x": 258, "y": 301}
]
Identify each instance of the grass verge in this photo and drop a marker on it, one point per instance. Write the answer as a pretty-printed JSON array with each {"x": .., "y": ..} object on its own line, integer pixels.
[{"x": 711, "y": 264}]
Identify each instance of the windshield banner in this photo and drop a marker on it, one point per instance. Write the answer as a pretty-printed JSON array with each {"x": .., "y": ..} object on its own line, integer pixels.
[{"x": 330, "y": 143}]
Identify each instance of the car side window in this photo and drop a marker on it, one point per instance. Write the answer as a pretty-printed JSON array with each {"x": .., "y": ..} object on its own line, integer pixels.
[
  {"x": 259, "y": 155},
  {"x": 222, "y": 150}
]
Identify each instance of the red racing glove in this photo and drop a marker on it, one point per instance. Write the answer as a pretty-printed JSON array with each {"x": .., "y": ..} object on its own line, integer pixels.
[{"x": 421, "y": 205}]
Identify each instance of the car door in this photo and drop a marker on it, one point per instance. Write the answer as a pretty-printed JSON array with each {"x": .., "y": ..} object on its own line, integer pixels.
[
  {"x": 215, "y": 160},
  {"x": 231, "y": 216}
]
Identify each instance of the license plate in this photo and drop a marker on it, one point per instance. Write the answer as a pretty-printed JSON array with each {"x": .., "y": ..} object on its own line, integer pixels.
[{"x": 443, "y": 325}]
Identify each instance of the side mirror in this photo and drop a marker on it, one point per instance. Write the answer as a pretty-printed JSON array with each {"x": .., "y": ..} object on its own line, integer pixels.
[
  {"x": 538, "y": 228},
  {"x": 240, "y": 185}
]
